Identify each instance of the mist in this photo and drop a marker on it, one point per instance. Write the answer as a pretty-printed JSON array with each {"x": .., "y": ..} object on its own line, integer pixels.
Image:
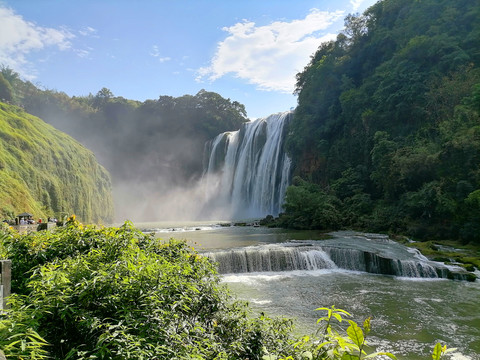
[
  {"x": 162, "y": 199},
  {"x": 153, "y": 150}
]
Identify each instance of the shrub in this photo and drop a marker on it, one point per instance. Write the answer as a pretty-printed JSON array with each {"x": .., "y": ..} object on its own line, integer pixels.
[{"x": 116, "y": 293}]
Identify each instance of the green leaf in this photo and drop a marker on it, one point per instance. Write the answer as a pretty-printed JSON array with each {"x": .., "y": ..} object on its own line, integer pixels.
[
  {"x": 348, "y": 356},
  {"x": 391, "y": 356},
  {"x": 366, "y": 325},
  {"x": 337, "y": 316},
  {"x": 437, "y": 351},
  {"x": 322, "y": 319},
  {"x": 355, "y": 333},
  {"x": 343, "y": 312}
]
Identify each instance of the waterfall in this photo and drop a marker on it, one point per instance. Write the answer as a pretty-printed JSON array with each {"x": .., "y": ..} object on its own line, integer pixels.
[
  {"x": 247, "y": 171},
  {"x": 270, "y": 259},
  {"x": 276, "y": 258}
]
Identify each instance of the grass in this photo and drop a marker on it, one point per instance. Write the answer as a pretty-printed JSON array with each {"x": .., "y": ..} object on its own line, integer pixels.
[
  {"x": 47, "y": 173},
  {"x": 449, "y": 251}
]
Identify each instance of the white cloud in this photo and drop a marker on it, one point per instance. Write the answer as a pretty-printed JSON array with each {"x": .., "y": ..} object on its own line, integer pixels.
[
  {"x": 88, "y": 31},
  {"x": 156, "y": 53},
  {"x": 270, "y": 56},
  {"x": 356, "y": 4},
  {"x": 19, "y": 38},
  {"x": 83, "y": 53}
]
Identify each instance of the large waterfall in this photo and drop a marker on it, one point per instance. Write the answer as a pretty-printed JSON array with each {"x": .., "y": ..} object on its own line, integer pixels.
[{"x": 248, "y": 171}]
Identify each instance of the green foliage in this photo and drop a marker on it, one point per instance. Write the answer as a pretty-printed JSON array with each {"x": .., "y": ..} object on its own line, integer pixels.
[
  {"x": 116, "y": 293},
  {"x": 47, "y": 173},
  {"x": 335, "y": 342},
  {"x": 308, "y": 207},
  {"x": 439, "y": 351},
  {"x": 338, "y": 343},
  {"x": 388, "y": 121},
  {"x": 18, "y": 340},
  {"x": 172, "y": 130},
  {"x": 120, "y": 132},
  {"x": 6, "y": 91}
]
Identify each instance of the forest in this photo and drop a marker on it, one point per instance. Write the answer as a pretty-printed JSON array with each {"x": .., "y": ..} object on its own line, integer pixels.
[{"x": 386, "y": 134}]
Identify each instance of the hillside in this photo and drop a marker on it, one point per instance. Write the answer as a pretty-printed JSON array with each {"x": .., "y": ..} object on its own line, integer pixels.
[
  {"x": 153, "y": 150},
  {"x": 386, "y": 133},
  {"x": 45, "y": 172}
]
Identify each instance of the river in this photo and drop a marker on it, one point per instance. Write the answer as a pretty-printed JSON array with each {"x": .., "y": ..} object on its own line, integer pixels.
[{"x": 409, "y": 314}]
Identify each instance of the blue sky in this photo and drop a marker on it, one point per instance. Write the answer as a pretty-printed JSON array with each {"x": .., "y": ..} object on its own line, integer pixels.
[{"x": 248, "y": 50}]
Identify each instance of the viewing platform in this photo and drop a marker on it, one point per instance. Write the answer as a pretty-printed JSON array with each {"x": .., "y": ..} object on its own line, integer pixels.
[
  {"x": 25, "y": 222},
  {"x": 33, "y": 227}
]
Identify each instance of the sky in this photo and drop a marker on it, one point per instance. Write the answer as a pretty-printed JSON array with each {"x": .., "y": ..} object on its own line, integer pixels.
[{"x": 245, "y": 50}]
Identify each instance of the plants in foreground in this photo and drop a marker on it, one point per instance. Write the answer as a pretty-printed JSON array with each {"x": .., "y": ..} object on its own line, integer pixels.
[
  {"x": 83, "y": 292},
  {"x": 337, "y": 343}
]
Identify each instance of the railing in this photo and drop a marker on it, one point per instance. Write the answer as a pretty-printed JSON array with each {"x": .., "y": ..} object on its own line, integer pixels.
[
  {"x": 5, "y": 282},
  {"x": 34, "y": 227}
]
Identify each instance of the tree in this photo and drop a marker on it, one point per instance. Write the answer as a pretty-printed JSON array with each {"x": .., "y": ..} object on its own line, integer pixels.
[
  {"x": 6, "y": 91},
  {"x": 102, "y": 97}
]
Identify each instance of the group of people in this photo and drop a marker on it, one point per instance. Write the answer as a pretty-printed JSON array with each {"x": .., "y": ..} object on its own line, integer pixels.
[{"x": 27, "y": 221}]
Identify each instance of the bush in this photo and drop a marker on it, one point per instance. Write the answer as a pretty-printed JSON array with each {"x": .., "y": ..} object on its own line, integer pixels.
[{"x": 116, "y": 293}]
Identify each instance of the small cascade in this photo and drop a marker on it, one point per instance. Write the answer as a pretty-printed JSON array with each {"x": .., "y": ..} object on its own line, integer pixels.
[
  {"x": 290, "y": 257},
  {"x": 247, "y": 171},
  {"x": 365, "y": 261},
  {"x": 267, "y": 259}
]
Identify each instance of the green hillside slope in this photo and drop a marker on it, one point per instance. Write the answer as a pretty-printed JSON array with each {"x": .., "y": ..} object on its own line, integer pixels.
[
  {"x": 386, "y": 133},
  {"x": 45, "y": 172}
]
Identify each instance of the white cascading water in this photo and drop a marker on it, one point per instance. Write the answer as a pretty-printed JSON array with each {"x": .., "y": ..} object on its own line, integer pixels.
[
  {"x": 248, "y": 172},
  {"x": 278, "y": 257}
]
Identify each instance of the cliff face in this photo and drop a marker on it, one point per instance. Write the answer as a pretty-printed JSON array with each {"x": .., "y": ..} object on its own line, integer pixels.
[{"x": 47, "y": 173}]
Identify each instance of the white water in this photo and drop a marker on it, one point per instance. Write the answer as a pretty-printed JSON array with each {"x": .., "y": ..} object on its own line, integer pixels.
[
  {"x": 248, "y": 171},
  {"x": 363, "y": 255}
]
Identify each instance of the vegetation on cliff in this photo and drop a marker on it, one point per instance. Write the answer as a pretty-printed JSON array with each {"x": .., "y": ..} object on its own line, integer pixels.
[
  {"x": 47, "y": 173},
  {"x": 386, "y": 133}
]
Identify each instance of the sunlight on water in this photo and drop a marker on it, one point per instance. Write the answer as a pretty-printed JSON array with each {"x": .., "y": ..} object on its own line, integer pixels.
[{"x": 408, "y": 317}]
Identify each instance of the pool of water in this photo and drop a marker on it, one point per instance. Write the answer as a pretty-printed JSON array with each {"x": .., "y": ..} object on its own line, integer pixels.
[{"x": 409, "y": 315}]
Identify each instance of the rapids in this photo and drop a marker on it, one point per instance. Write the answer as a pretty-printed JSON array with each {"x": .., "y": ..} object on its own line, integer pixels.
[
  {"x": 346, "y": 250},
  {"x": 410, "y": 310}
]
